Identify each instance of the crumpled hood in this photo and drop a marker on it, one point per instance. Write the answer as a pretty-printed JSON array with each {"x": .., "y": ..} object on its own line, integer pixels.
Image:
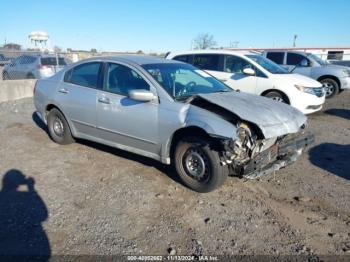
[
  {"x": 297, "y": 79},
  {"x": 273, "y": 118}
]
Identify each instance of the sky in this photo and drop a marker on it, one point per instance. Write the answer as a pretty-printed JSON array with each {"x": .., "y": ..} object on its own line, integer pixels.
[{"x": 171, "y": 25}]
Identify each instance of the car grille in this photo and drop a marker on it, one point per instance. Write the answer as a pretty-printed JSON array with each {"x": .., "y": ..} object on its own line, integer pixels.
[{"x": 319, "y": 91}]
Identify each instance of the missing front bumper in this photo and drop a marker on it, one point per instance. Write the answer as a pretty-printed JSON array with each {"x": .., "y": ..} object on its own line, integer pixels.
[{"x": 283, "y": 153}]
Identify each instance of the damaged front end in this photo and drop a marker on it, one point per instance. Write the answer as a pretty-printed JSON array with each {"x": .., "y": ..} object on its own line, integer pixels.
[{"x": 250, "y": 157}]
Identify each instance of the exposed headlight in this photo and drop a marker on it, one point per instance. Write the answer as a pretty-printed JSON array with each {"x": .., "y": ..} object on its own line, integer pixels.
[
  {"x": 346, "y": 72},
  {"x": 305, "y": 89}
]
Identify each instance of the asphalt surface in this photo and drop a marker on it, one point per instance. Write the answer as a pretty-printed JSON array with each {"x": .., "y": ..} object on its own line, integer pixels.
[{"x": 87, "y": 198}]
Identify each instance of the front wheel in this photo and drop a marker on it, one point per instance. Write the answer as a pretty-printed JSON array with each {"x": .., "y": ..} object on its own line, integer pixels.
[
  {"x": 198, "y": 165},
  {"x": 330, "y": 86},
  {"x": 5, "y": 76},
  {"x": 276, "y": 96}
]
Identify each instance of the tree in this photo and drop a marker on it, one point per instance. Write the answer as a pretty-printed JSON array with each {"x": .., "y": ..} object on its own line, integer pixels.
[{"x": 204, "y": 41}]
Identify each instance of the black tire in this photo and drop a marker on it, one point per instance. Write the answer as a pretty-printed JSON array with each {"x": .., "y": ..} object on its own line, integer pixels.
[
  {"x": 331, "y": 87},
  {"x": 30, "y": 76},
  {"x": 192, "y": 153},
  {"x": 277, "y": 96},
  {"x": 58, "y": 128},
  {"x": 5, "y": 76}
]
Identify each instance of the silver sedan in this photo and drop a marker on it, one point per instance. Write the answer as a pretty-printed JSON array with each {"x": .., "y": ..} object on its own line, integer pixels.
[{"x": 172, "y": 112}]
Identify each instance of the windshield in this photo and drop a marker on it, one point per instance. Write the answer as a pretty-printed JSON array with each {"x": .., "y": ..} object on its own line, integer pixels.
[
  {"x": 268, "y": 65},
  {"x": 183, "y": 80},
  {"x": 317, "y": 59}
]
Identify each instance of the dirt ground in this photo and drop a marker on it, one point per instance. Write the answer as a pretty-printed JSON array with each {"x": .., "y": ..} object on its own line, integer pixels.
[{"x": 87, "y": 198}]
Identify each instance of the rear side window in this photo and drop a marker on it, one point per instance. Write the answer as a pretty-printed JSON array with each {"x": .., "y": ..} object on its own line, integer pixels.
[
  {"x": 276, "y": 57},
  {"x": 84, "y": 75},
  {"x": 207, "y": 62},
  {"x": 53, "y": 61},
  {"x": 182, "y": 58},
  {"x": 295, "y": 59},
  {"x": 24, "y": 60}
]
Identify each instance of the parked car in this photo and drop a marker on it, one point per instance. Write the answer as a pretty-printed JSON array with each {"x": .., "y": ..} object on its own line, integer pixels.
[
  {"x": 252, "y": 73},
  {"x": 340, "y": 62},
  {"x": 34, "y": 66},
  {"x": 333, "y": 77},
  {"x": 174, "y": 113},
  {"x": 3, "y": 60}
]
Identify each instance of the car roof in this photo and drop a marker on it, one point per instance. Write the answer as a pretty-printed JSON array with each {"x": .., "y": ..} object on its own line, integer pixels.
[
  {"x": 134, "y": 59},
  {"x": 285, "y": 51},
  {"x": 212, "y": 51}
]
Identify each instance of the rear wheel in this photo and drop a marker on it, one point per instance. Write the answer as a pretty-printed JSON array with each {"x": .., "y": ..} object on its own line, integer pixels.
[
  {"x": 198, "y": 165},
  {"x": 58, "y": 128},
  {"x": 331, "y": 87},
  {"x": 30, "y": 76},
  {"x": 277, "y": 96}
]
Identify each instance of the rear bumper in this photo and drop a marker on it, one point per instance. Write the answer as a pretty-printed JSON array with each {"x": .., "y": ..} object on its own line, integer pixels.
[{"x": 283, "y": 153}]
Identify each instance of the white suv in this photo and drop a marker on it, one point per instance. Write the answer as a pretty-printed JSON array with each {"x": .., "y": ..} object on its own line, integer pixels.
[{"x": 252, "y": 73}]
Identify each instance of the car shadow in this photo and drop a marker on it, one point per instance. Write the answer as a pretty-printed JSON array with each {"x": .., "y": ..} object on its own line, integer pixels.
[
  {"x": 333, "y": 158},
  {"x": 166, "y": 169},
  {"x": 344, "y": 113},
  {"x": 22, "y": 212},
  {"x": 36, "y": 119}
]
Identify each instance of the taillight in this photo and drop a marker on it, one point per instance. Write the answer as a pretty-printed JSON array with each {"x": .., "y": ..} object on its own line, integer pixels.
[
  {"x": 36, "y": 82},
  {"x": 43, "y": 66}
]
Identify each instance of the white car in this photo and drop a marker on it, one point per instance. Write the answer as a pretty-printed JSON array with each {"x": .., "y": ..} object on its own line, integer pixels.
[{"x": 252, "y": 73}]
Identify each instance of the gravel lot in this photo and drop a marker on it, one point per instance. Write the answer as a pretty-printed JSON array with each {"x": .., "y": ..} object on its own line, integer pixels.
[{"x": 87, "y": 198}]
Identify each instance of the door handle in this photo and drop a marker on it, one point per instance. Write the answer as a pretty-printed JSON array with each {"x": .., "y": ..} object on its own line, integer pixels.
[
  {"x": 63, "y": 91},
  {"x": 104, "y": 100}
]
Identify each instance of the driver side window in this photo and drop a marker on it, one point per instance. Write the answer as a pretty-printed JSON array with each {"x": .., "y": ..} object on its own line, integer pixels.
[
  {"x": 295, "y": 59},
  {"x": 121, "y": 79},
  {"x": 236, "y": 65}
]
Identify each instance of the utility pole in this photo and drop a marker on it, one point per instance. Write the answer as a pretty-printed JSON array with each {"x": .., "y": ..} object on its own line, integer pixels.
[{"x": 294, "y": 41}]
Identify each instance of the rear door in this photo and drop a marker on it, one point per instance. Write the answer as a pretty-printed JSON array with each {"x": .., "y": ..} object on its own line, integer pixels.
[
  {"x": 212, "y": 63},
  {"x": 77, "y": 96},
  {"x": 232, "y": 74}
]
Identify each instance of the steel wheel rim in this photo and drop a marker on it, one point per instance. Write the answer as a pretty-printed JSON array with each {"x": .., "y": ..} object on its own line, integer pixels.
[
  {"x": 196, "y": 164},
  {"x": 58, "y": 127},
  {"x": 329, "y": 88},
  {"x": 277, "y": 99}
]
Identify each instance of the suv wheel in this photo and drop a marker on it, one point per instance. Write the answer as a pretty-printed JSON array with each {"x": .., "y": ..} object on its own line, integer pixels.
[
  {"x": 277, "y": 96},
  {"x": 5, "y": 76},
  {"x": 58, "y": 128},
  {"x": 30, "y": 76},
  {"x": 331, "y": 87},
  {"x": 198, "y": 165}
]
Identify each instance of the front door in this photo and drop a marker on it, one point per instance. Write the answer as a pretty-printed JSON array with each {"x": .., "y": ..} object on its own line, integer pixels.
[
  {"x": 124, "y": 121},
  {"x": 233, "y": 76},
  {"x": 295, "y": 61}
]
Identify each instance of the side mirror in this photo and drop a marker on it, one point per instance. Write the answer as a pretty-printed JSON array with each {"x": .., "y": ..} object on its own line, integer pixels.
[
  {"x": 249, "y": 71},
  {"x": 304, "y": 63},
  {"x": 141, "y": 95}
]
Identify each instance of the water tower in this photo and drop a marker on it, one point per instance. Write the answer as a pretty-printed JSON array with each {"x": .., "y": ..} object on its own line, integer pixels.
[{"x": 39, "y": 40}]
